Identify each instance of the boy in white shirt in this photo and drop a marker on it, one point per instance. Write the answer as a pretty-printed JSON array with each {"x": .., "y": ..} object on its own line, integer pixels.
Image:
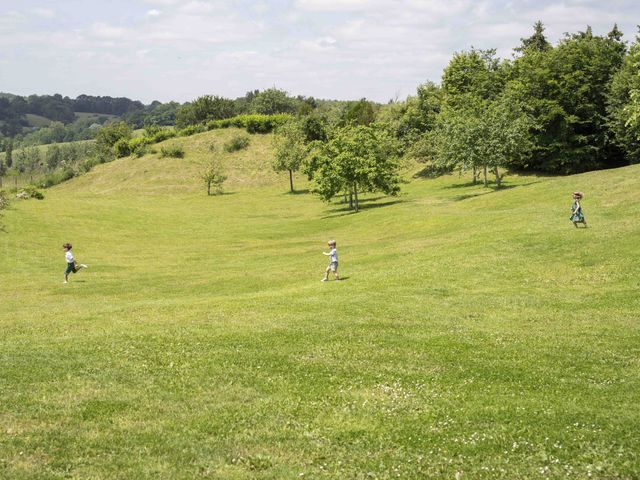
[
  {"x": 333, "y": 261},
  {"x": 72, "y": 266}
]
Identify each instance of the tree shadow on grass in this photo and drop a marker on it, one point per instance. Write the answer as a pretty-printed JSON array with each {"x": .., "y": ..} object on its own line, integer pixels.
[
  {"x": 222, "y": 194},
  {"x": 364, "y": 205},
  {"x": 488, "y": 189},
  {"x": 304, "y": 191}
]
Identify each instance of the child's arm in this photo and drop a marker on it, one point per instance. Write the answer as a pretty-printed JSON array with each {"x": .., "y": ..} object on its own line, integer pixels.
[{"x": 325, "y": 253}]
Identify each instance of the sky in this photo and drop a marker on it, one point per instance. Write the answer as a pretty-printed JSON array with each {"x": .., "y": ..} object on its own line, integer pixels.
[{"x": 339, "y": 49}]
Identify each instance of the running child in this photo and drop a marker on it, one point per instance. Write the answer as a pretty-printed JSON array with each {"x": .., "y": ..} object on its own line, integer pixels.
[
  {"x": 576, "y": 210},
  {"x": 333, "y": 261},
  {"x": 72, "y": 265}
]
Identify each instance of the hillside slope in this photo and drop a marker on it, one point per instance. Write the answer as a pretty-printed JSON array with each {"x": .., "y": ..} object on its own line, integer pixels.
[
  {"x": 476, "y": 334},
  {"x": 152, "y": 174}
]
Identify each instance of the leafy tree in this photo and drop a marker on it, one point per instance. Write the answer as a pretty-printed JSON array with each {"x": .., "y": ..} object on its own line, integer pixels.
[
  {"x": 361, "y": 112},
  {"x": 213, "y": 177},
  {"x": 203, "y": 109},
  {"x": 109, "y": 135},
  {"x": 537, "y": 41},
  {"x": 476, "y": 72},
  {"x": 355, "y": 159},
  {"x": 565, "y": 90},
  {"x": 53, "y": 156},
  {"x": 481, "y": 135},
  {"x": 620, "y": 105},
  {"x": 290, "y": 148},
  {"x": 410, "y": 119},
  {"x": 8, "y": 156},
  {"x": 314, "y": 126},
  {"x": 272, "y": 101}
]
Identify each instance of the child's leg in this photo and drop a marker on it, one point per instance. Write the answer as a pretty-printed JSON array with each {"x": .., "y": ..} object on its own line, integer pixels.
[
  {"x": 335, "y": 272},
  {"x": 575, "y": 224},
  {"x": 326, "y": 274}
]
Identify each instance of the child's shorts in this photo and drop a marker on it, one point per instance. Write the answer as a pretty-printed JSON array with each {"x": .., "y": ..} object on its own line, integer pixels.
[
  {"x": 333, "y": 266},
  {"x": 71, "y": 268}
]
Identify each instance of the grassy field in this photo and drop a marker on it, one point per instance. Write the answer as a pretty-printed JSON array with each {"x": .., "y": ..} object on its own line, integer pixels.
[
  {"x": 476, "y": 334},
  {"x": 37, "y": 121},
  {"x": 94, "y": 116}
]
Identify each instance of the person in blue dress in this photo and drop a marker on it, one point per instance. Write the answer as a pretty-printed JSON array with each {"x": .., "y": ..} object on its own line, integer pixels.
[{"x": 577, "y": 215}]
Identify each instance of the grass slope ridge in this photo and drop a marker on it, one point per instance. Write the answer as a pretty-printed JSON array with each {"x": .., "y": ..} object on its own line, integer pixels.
[
  {"x": 154, "y": 175},
  {"x": 477, "y": 333}
]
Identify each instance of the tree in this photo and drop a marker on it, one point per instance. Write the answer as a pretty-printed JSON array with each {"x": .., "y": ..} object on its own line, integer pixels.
[
  {"x": 482, "y": 135},
  {"x": 203, "y": 109},
  {"x": 272, "y": 101},
  {"x": 537, "y": 41},
  {"x": 361, "y": 112},
  {"x": 8, "y": 156},
  {"x": 565, "y": 90},
  {"x": 213, "y": 177},
  {"x": 476, "y": 72},
  {"x": 622, "y": 102},
  {"x": 290, "y": 149},
  {"x": 52, "y": 157},
  {"x": 109, "y": 135},
  {"x": 356, "y": 159}
]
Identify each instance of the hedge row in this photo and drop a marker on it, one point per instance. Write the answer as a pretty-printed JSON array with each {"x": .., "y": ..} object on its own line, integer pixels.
[{"x": 254, "y": 123}]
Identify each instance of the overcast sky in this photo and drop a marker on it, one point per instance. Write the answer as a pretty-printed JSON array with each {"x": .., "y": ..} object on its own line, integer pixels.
[{"x": 343, "y": 49}]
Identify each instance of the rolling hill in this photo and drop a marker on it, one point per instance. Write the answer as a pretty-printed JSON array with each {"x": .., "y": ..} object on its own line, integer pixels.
[{"x": 476, "y": 333}]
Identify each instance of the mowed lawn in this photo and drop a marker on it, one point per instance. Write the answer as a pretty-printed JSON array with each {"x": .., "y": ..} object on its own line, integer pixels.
[{"x": 476, "y": 334}]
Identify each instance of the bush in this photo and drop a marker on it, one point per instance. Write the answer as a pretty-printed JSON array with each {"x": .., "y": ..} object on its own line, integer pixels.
[
  {"x": 29, "y": 191},
  {"x": 172, "y": 151},
  {"x": 121, "y": 148},
  {"x": 161, "y": 135},
  {"x": 59, "y": 176},
  {"x": 239, "y": 142},
  {"x": 4, "y": 199},
  {"x": 138, "y": 146}
]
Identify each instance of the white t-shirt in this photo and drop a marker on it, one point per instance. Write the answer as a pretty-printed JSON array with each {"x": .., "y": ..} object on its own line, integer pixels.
[
  {"x": 333, "y": 255},
  {"x": 69, "y": 257}
]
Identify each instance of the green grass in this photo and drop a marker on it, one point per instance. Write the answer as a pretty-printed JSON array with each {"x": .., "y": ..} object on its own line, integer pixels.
[
  {"x": 37, "y": 121},
  {"x": 477, "y": 334},
  {"x": 94, "y": 116}
]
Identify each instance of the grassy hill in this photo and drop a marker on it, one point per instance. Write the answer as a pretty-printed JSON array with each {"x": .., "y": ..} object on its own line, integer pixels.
[
  {"x": 37, "y": 121},
  {"x": 477, "y": 333}
]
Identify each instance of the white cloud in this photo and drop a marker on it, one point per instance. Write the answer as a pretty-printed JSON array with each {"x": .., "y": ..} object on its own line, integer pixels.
[
  {"x": 103, "y": 30},
  {"x": 332, "y": 5},
  {"x": 324, "y": 48},
  {"x": 44, "y": 12}
]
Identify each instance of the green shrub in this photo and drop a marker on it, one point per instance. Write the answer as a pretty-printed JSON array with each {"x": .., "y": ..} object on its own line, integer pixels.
[
  {"x": 239, "y": 142},
  {"x": 4, "y": 199},
  {"x": 172, "y": 151},
  {"x": 56, "y": 177},
  {"x": 121, "y": 148},
  {"x": 138, "y": 146},
  {"x": 162, "y": 135},
  {"x": 29, "y": 191}
]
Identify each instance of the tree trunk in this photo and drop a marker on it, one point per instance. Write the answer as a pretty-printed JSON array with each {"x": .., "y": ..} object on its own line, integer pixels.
[
  {"x": 291, "y": 180},
  {"x": 498, "y": 179},
  {"x": 475, "y": 175},
  {"x": 209, "y": 187},
  {"x": 485, "y": 174},
  {"x": 355, "y": 194},
  {"x": 350, "y": 200}
]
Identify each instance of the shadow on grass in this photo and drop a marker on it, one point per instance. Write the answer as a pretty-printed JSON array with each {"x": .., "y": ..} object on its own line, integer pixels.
[
  {"x": 488, "y": 189},
  {"x": 222, "y": 194},
  {"x": 304, "y": 191},
  {"x": 364, "y": 205}
]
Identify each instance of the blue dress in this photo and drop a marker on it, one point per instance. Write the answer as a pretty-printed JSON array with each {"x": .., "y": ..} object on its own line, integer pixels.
[{"x": 577, "y": 217}]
